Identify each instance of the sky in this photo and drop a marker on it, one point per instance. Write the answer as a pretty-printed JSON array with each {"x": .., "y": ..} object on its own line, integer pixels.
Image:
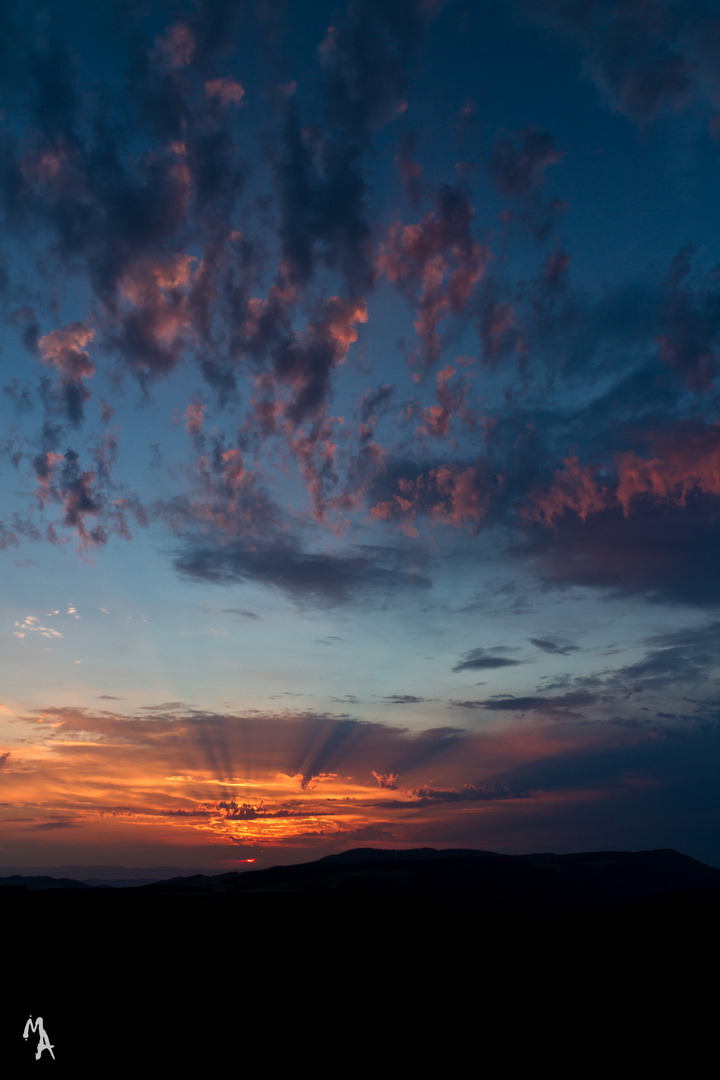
[{"x": 360, "y": 451}]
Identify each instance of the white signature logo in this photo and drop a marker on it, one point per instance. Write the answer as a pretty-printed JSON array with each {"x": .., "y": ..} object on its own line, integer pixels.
[{"x": 43, "y": 1041}]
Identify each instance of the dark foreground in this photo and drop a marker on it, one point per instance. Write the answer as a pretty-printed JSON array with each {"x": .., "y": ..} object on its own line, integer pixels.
[{"x": 371, "y": 963}]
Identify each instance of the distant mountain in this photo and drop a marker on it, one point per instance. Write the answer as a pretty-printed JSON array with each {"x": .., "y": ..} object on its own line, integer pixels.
[
  {"x": 466, "y": 878},
  {"x": 110, "y": 874},
  {"x": 539, "y": 884},
  {"x": 16, "y": 881}
]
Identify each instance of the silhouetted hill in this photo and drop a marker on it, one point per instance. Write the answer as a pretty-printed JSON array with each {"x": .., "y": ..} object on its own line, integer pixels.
[
  {"x": 537, "y": 884},
  {"x": 534, "y": 884},
  {"x": 261, "y": 969},
  {"x": 17, "y": 881}
]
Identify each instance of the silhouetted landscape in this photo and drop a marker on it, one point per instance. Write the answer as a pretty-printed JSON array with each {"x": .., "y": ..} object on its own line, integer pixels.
[{"x": 253, "y": 966}]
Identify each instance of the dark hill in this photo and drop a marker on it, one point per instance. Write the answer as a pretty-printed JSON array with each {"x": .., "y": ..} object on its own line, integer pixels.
[
  {"x": 387, "y": 962},
  {"x": 533, "y": 884}
]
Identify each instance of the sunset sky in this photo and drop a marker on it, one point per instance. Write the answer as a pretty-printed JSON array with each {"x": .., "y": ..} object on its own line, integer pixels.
[{"x": 361, "y": 438}]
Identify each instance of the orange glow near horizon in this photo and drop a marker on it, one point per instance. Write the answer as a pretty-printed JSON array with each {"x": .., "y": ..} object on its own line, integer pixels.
[{"x": 176, "y": 781}]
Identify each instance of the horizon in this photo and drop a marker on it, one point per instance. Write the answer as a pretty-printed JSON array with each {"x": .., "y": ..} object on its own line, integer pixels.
[
  {"x": 110, "y": 873},
  {"x": 361, "y": 453}
]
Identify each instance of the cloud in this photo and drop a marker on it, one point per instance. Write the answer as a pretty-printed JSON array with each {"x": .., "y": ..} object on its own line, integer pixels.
[
  {"x": 484, "y": 660},
  {"x": 623, "y": 518},
  {"x": 242, "y": 612},
  {"x": 425, "y": 746},
  {"x": 439, "y": 259},
  {"x": 644, "y": 59},
  {"x": 388, "y": 780},
  {"x": 178, "y": 741},
  {"x": 558, "y": 706},
  {"x": 365, "y": 58},
  {"x": 226, "y": 90},
  {"x": 427, "y": 796},
  {"x": 557, "y": 648},
  {"x": 660, "y": 551},
  {"x": 403, "y": 699},
  {"x": 305, "y": 362},
  {"x": 690, "y": 336},
  {"x": 64, "y": 349},
  {"x": 437, "y": 419},
  {"x": 90, "y": 503},
  {"x": 314, "y": 577},
  {"x": 673, "y": 658},
  {"x": 51, "y": 826},
  {"x": 457, "y": 494},
  {"x": 517, "y": 165},
  {"x": 409, "y": 171}
]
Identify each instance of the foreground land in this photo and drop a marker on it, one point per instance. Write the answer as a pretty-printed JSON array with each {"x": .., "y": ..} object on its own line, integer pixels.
[{"x": 396, "y": 959}]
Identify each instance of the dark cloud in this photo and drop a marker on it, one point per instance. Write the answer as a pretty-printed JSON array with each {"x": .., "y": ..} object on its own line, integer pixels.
[
  {"x": 328, "y": 580},
  {"x": 666, "y": 553},
  {"x": 90, "y": 502},
  {"x": 561, "y": 706},
  {"x": 322, "y": 190},
  {"x": 550, "y": 645},
  {"x": 690, "y": 325},
  {"x": 375, "y": 402},
  {"x": 306, "y": 364},
  {"x": 234, "y": 811},
  {"x": 673, "y": 658},
  {"x": 643, "y": 58},
  {"x": 388, "y": 780},
  {"x": 517, "y": 165},
  {"x": 408, "y": 169},
  {"x": 425, "y": 746},
  {"x": 242, "y": 612},
  {"x": 484, "y": 660},
  {"x": 322, "y": 207},
  {"x": 615, "y": 773},
  {"x": 427, "y": 796},
  {"x": 403, "y": 699},
  {"x": 21, "y": 396},
  {"x": 50, "y": 826}
]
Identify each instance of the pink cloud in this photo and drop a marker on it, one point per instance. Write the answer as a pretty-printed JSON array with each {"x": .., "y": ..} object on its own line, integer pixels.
[
  {"x": 90, "y": 504},
  {"x": 686, "y": 461},
  {"x": 452, "y": 494},
  {"x": 438, "y": 258},
  {"x": 225, "y": 90},
  {"x": 157, "y": 317},
  {"x": 436, "y": 419},
  {"x": 194, "y": 417},
  {"x": 574, "y": 488},
  {"x": 176, "y": 46},
  {"x": 64, "y": 349}
]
